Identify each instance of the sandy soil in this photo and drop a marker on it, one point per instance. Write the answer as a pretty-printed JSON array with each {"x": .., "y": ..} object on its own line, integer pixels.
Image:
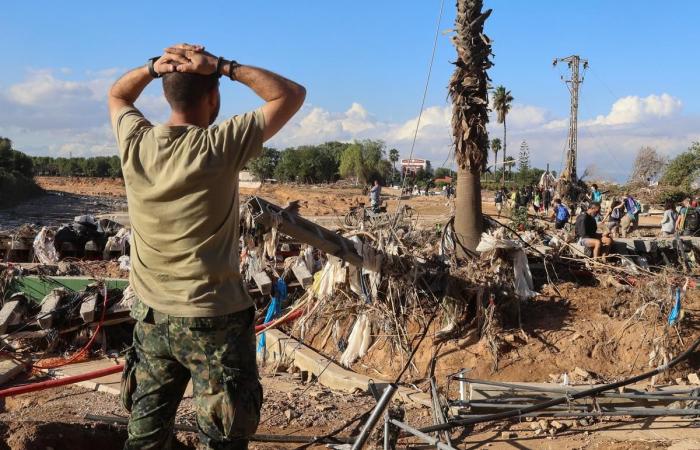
[
  {"x": 587, "y": 327},
  {"x": 100, "y": 187}
]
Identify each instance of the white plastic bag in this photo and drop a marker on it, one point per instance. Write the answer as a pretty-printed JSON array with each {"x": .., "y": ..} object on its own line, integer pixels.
[
  {"x": 358, "y": 342},
  {"x": 44, "y": 248},
  {"x": 124, "y": 263},
  {"x": 521, "y": 268}
]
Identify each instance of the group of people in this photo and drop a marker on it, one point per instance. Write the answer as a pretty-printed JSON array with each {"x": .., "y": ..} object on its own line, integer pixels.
[
  {"x": 683, "y": 219},
  {"x": 539, "y": 198}
]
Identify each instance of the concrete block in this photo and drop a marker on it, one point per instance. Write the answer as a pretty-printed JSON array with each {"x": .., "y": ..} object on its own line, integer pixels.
[
  {"x": 280, "y": 346},
  {"x": 639, "y": 245},
  {"x": 48, "y": 312},
  {"x": 12, "y": 312},
  {"x": 9, "y": 369},
  {"x": 263, "y": 282},
  {"x": 89, "y": 307},
  {"x": 302, "y": 275}
]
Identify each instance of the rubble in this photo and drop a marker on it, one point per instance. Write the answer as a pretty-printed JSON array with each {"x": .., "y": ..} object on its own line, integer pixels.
[{"x": 365, "y": 294}]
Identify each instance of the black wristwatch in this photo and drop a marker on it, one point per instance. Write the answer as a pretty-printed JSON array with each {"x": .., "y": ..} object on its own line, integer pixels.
[{"x": 151, "y": 69}]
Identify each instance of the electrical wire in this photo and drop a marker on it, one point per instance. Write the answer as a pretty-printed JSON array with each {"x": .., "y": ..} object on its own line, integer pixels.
[{"x": 422, "y": 104}]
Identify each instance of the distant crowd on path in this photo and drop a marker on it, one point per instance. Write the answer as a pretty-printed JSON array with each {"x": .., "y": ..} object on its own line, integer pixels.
[
  {"x": 620, "y": 219},
  {"x": 683, "y": 219},
  {"x": 539, "y": 198}
]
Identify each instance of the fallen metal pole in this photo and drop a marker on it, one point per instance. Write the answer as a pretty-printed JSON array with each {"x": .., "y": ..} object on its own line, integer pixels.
[
  {"x": 636, "y": 413},
  {"x": 270, "y": 215},
  {"x": 517, "y": 405},
  {"x": 563, "y": 390},
  {"x": 367, "y": 428},
  {"x": 567, "y": 398},
  {"x": 498, "y": 400},
  {"x": 425, "y": 437}
]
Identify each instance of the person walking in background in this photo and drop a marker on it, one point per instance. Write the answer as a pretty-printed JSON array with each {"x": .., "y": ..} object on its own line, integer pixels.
[
  {"x": 630, "y": 220},
  {"x": 596, "y": 195},
  {"x": 537, "y": 201},
  {"x": 498, "y": 200},
  {"x": 668, "y": 221},
  {"x": 614, "y": 217},
  {"x": 561, "y": 214},
  {"x": 375, "y": 195},
  {"x": 688, "y": 221},
  {"x": 546, "y": 200},
  {"x": 514, "y": 199}
]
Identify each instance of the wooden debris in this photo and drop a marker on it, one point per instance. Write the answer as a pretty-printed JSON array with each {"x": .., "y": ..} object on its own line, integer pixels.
[{"x": 693, "y": 378}]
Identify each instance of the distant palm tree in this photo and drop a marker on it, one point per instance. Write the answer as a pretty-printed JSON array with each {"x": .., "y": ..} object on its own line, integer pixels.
[
  {"x": 495, "y": 148},
  {"x": 468, "y": 90},
  {"x": 501, "y": 103},
  {"x": 393, "y": 157}
]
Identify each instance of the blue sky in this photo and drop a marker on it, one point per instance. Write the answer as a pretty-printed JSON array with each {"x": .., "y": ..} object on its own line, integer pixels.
[{"x": 364, "y": 64}]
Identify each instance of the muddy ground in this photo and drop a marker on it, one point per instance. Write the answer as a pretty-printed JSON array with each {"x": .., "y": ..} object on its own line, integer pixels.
[{"x": 53, "y": 208}]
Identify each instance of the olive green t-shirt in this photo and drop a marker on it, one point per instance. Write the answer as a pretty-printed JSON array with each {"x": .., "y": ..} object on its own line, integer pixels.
[{"x": 182, "y": 192}]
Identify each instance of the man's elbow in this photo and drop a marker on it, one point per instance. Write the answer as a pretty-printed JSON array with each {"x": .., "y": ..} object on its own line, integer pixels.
[{"x": 299, "y": 95}]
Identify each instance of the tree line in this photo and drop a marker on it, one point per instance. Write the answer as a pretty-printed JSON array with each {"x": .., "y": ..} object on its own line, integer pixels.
[
  {"x": 96, "y": 166},
  {"x": 361, "y": 161},
  {"x": 16, "y": 175}
]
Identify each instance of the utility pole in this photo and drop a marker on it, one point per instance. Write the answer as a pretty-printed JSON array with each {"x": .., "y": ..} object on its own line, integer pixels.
[{"x": 568, "y": 177}]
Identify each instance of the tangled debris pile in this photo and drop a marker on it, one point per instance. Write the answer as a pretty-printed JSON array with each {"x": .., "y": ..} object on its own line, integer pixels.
[
  {"x": 85, "y": 238},
  {"x": 362, "y": 295}
]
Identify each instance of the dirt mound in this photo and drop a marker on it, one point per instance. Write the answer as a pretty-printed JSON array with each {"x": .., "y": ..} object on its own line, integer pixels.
[
  {"x": 101, "y": 187},
  {"x": 560, "y": 333}
]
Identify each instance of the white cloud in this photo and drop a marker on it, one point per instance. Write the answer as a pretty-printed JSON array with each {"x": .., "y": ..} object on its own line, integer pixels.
[
  {"x": 60, "y": 113},
  {"x": 633, "y": 109},
  {"x": 48, "y": 113},
  {"x": 525, "y": 116},
  {"x": 608, "y": 141}
]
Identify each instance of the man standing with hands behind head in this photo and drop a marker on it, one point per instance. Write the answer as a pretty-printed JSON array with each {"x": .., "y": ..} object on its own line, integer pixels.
[{"x": 194, "y": 316}]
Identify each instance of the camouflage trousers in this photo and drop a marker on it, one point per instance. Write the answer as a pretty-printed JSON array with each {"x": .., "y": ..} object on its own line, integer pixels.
[{"x": 217, "y": 353}]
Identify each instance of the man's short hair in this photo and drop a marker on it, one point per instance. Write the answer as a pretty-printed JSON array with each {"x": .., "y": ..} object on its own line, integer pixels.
[
  {"x": 557, "y": 200},
  {"x": 595, "y": 186},
  {"x": 184, "y": 91},
  {"x": 594, "y": 205}
]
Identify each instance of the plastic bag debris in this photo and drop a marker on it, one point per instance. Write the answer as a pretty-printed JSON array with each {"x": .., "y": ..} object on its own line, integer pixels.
[
  {"x": 358, "y": 342},
  {"x": 117, "y": 243},
  {"x": 44, "y": 248},
  {"x": 124, "y": 263},
  {"x": 521, "y": 268}
]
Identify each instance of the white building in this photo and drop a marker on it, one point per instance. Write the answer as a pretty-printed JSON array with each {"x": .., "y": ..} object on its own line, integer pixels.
[{"x": 412, "y": 166}]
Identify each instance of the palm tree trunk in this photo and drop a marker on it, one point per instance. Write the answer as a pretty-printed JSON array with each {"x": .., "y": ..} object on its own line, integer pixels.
[
  {"x": 468, "y": 220},
  {"x": 495, "y": 166},
  {"x": 505, "y": 145},
  {"x": 468, "y": 91}
]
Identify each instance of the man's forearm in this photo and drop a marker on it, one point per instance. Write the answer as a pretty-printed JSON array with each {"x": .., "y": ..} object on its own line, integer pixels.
[
  {"x": 130, "y": 85},
  {"x": 267, "y": 85}
]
